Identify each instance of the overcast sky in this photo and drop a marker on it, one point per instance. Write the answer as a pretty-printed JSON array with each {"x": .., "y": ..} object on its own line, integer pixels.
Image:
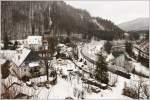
[{"x": 116, "y": 11}]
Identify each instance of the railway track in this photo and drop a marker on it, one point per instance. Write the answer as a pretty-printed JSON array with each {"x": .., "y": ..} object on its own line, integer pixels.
[{"x": 111, "y": 68}]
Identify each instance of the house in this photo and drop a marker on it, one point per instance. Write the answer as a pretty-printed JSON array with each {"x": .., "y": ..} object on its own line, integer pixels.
[
  {"x": 126, "y": 35},
  {"x": 24, "y": 62},
  {"x": 30, "y": 70},
  {"x": 34, "y": 42},
  {"x": 16, "y": 56},
  {"x": 76, "y": 35},
  {"x": 64, "y": 51}
]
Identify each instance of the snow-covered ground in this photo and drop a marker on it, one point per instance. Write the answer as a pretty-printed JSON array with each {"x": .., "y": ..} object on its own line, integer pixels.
[
  {"x": 72, "y": 86},
  {"x": 113, "y": 93},
  {"x": 92, "y": 48},
  {"x": 2, "y": 61},
  {"x": 65, "y": 66},
  {"x": 109, "y": 57},
  {"x": 65, "y": 88},
  {"x": 61, "y": 90},
  {"x": 140, "y": 68}
]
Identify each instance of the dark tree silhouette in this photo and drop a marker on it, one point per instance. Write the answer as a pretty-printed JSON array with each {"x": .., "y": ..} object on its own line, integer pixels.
[
  {"x": 5, "y": 69},
  {"x": 15, "y": 45},
  {"x": 129, "y": 47},
  {"x": 20, "y": 19},
  {"x": 6, "y": 42},
  {"x": 108, "y": 47},
  {"x": 101, "y": 73}
]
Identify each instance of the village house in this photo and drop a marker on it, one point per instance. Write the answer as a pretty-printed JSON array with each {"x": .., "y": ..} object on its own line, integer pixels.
[
  {"x": 34, "y": 42},
  {"x": 76, "y": 35},
  {"x": 22, "y": 64}
]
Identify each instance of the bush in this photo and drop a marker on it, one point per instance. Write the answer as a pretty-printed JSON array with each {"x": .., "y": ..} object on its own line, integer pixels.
[
  {"x": 108, "y": 47},
  {"x": 25, "y": 78},
  {"x": 130, "y": 92},
  {"x": 5, "y": 70},
  {"x": 117, "y": 53}
]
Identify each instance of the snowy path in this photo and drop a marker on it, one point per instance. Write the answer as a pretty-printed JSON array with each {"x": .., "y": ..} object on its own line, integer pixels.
[
  {"x": 61, "y": 90},
  {"x": 115, "y": 93}
]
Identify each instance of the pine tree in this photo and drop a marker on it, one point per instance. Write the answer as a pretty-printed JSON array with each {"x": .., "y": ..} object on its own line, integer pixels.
[
  {"x": 129, "y": 48},
  {"x": 101, "y": 70},
  {"x": 139, "y": 56},
  {"x": 108, "y": 47},
  {"x": 6, "y": 42}
]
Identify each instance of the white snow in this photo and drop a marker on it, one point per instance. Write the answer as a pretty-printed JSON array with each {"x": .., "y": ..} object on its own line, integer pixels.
[
  {"x": 113, "y": 93},
  {"x": 92, "y": 48},
  {"x": 65, "y": 66},
  {"x": 140, "y": 68},
  {"x": 109, "y": 57},
  {"x": 33, "y": 64},
  {"x": 66, "y": 87},
  {"x": 21, "y": 56},
  {"x": 2, "y": 61},
  {"x": 17, "y": 56},
  {"x": 99, "y": 25},
  {"x": 40, "y": 79},
  {"x": 59, "y": 91},
  {"x": 60, "y": 45}
]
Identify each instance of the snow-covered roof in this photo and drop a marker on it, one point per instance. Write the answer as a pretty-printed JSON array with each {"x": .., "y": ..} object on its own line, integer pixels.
[
  {"x": 2, "y": 61},
  {"x": 127, "y": 34},
  {"x": 109, "y": 57},
  {"x": 16, "y": 56},
  {"x": 60, "y": 45},
  {"x": 24, "y": 53},
  {"x": 33, "y": 64}
]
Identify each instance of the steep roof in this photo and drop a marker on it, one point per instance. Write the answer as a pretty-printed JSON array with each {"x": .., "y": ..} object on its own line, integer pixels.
[
  {"x": 21, "y": 56},
  {"x": 17, "y": 56}
]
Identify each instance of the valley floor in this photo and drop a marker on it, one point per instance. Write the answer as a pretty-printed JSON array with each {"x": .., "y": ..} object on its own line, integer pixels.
[{"x": 73, "y": 86}]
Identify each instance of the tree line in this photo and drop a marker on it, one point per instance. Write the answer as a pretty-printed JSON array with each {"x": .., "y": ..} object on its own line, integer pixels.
[{"x": 20, "y": 19}]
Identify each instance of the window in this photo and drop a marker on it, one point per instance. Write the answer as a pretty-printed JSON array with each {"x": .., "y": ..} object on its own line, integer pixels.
[{"x": 18, "y": 57}]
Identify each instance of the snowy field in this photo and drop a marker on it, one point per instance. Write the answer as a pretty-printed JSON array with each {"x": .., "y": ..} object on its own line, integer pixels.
[
  {"x": 92, "y": 48},
  {"x": 65, "y": 88},
  {"x": 72, "y": 86}
]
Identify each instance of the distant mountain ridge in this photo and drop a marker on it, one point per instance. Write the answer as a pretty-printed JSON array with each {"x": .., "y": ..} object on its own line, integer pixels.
[{"x": 135, "y": 25}]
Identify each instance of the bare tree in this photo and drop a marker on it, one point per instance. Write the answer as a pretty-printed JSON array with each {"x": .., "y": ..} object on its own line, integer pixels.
[
  {"x": 146, "y": 90},
  {"x": 9, "y": 90}
]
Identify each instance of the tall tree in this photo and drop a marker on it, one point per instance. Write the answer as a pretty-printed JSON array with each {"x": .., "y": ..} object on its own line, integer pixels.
[
  {"x": 6, "y": 42},
  {"x": 108, "y": 47},
  {"x": 101, "y": 73},
  {"x": 15, "y": 45},
  {"x": 147, "y": 35},
  {"x": 129, "y": 48},
  {"x": 139, "y": 56}
]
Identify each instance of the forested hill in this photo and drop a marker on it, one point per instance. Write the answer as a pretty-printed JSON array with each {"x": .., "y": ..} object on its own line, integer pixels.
[{"x": 20, "y": 19}]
